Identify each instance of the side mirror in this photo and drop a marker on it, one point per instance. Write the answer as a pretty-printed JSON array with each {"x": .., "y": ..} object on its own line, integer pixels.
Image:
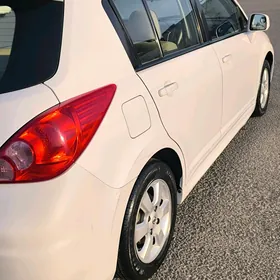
[
  {"x": 224, "y": 29},
  {"x": 259, "y": 22}
]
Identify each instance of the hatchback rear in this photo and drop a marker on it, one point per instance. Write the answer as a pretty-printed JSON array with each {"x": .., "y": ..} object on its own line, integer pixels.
[{"x": 62, "y": 208}]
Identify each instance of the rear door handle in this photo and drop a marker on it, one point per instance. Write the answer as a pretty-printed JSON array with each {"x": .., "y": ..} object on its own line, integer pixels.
[
  {"x": 168, "y": 89},
  {"x": 227, "y": 58}
]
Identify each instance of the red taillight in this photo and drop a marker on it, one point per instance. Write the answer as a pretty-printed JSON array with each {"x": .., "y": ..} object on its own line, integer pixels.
[{"x": 49, "y": 144}]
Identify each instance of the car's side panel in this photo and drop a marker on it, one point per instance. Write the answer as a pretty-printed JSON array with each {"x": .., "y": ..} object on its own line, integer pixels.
[
  {"x": 252, "y": 56},
  {"x": 240, "y": 69},
  {"x": 192, "y": 113},
  {"x": 260, "y": 46},
  {"x": 218, "y": 149}
]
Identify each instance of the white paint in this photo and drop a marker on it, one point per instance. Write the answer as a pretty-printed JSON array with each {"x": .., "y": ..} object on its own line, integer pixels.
[{"x": 69, "y": 228}]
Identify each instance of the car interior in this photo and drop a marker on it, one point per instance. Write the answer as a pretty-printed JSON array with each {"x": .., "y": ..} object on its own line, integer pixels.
[
  {"x": 176, "y": 35},
  {"x": 144, "y": 40}
]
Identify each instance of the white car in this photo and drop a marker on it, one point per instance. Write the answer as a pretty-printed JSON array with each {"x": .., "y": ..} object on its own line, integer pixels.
[{"x": 111, "y": 111}]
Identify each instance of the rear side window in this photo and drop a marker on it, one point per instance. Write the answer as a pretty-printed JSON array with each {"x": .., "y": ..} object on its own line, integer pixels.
[
  {"x": 30, "y": 42},
  {"x": 7, "y": 30},
  {"x": 175, "y": 24},
  {"x": 223, "y": 18},
  {"x": 157, "y": 28},
  {"x": 139, "y": 28}
]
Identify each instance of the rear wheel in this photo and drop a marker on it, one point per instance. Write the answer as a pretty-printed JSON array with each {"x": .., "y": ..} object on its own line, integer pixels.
[
  {"x": 148, "y": 224},
  {"x": 264, "y": 91}
]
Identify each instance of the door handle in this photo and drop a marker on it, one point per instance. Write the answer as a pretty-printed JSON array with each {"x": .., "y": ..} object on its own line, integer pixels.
[
  {"x": 168, "y": 89},
  {"x": 227, "y": 58}
]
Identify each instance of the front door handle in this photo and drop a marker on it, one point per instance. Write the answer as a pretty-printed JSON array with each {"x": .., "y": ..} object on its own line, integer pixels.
[
  {"x": 227, "y": 58},
  {"x": 168, "y": 89}
]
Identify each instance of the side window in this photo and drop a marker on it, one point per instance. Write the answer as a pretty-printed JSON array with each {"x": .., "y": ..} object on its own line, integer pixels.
[
  {"x": 30, "y": 42},
  {"x": 223, "y": 17},
  {"x": 7, "y": 30},
  {"x": 139, "y": 28},
  {"x": 175, "y": 24}
]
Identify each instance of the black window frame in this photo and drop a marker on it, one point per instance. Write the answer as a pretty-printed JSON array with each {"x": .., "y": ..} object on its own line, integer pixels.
[
  {"x": 118, "y": 24},
  {"x": 120, "y": 28},
  {"x": 206, "y": 29}
]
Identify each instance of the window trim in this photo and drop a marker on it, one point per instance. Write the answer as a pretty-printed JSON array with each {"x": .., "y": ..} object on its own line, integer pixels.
[
  {"x": 154, "y": 30},
  {"x": 170, "y": 57},
  {"x": 207, "y": 31}
]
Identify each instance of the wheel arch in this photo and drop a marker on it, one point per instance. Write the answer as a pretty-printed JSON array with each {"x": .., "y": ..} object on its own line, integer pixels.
[
  {"x": 171, "y": 158},
  {"x": 175, "y": 161},
  {"x": 270, "y": 58}
]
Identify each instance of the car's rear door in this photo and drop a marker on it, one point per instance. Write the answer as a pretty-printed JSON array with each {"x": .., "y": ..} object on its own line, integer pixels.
[
  {"x": 183, "y": 75},
  {"x": 227, "y": 29},
  {"x": 187, "y": 84}
]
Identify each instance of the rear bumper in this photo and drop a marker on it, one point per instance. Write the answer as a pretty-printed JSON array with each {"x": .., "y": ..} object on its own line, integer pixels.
[{"x": 63, "y": 229}]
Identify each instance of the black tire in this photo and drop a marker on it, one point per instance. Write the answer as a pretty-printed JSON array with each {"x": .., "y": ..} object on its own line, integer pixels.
[
  {"x": 259, "y": 109},
  {"x": 129, "y": 266}
]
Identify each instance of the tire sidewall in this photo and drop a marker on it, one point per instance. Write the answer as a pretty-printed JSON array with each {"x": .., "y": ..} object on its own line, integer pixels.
[{"x": 135, "y": 267}]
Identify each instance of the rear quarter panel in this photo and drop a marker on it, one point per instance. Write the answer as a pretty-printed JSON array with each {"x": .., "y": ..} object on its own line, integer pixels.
[
  {"x": 19, "y": 107},
  {"x": 93, "y": 56}
]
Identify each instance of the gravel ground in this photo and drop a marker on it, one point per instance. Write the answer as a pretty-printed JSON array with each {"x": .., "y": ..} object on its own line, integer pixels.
[{"x": 228, "y": 228}]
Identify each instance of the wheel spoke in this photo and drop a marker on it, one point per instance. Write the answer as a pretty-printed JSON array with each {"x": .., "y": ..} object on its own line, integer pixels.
[
  {"x": 265, "y": 76},
  {"x": 146, "y": 250},
  {"x": 163, "y": 209},
  {"x": 264, "y": 89},
  {"x": 157, "y": 194},
  {"x": 146, "y": 203},
  {"x": 159, "y": 238},
  {"x": 140, "y": 231},
  {"x": 261, "y": 98}
]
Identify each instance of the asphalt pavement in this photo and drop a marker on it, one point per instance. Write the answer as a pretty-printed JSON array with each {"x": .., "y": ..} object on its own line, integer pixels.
[{"x": 229, "y": 226}]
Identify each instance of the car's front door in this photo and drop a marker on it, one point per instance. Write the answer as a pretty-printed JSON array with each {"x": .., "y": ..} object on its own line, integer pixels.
[{"x": 227, "y": 30}]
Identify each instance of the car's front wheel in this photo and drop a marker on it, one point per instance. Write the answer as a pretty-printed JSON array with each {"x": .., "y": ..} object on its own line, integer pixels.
[
  {"x": 148, "y": 223},
  {"x": 264, "y": 91}
]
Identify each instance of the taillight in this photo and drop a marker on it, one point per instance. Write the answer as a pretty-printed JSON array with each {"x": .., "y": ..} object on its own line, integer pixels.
[{"x": 49, "y": 144}]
